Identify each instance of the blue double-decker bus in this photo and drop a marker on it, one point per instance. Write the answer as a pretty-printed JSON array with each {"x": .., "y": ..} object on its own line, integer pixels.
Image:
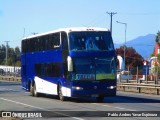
[{"x": 70, "y": 62}]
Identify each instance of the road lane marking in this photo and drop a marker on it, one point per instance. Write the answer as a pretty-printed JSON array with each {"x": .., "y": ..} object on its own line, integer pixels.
[
  {"x": 22, "y": 103},
  {"x": 125, "y": 109},
  {"x": 6, "y": 89},
  {"x": 39, "y": 108},
  {"x": 114, "y": 107}
]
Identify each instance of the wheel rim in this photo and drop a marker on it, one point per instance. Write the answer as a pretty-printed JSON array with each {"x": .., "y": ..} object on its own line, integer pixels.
[
  {"x": 60, "y": 93},
  {"x": 35, "y": 92},
  {"x": 31, "y": 88}
]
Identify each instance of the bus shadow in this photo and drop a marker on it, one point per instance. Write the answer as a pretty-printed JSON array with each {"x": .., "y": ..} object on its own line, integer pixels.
[
  {"x": 82, "y": 100},
  {"x": 116, "y": 99},
  {"x": 130, "y": 99},
  {"x": 76, "y": 100}
]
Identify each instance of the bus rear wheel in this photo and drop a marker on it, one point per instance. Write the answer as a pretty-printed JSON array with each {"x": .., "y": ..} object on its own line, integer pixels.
[
  {"x": 34, "y": 91},
  {"x": 31, "y": 90},
  {"x": 60, "y": 94}
]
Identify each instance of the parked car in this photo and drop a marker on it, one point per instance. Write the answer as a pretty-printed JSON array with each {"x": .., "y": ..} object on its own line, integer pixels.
[{"x": 124, "y": 75}]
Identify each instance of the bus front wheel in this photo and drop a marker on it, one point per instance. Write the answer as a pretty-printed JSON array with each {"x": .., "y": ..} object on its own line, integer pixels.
[{"x": 60, "y": 94}]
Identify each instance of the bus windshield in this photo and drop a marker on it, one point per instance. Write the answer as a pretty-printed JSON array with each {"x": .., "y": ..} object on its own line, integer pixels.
[
  {"x": 94, "y": 69},
  {"x": 90, "y": 40}
]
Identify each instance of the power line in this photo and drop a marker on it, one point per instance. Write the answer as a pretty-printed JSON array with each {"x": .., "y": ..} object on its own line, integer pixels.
[
  {"x": 95, "y": 21},
  {"x": 145, "y": 13}
]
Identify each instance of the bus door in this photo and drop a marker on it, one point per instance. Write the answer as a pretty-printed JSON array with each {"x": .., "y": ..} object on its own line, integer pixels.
[{"x": 65, "y": 52}]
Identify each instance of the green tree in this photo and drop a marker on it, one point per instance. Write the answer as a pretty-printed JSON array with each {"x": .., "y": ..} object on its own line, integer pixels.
[
  {"x": 2, "y": 53},
  {"x": 157, "y": 40},
  {"x": 157, "y": 37},
  {"x": 17, "y": 56},
  {"x": 13, "y": 57},
  {"x": 18, "y": 63},
  {"x": 157, "y": 65},
  {"x": 156, "y": 68}
]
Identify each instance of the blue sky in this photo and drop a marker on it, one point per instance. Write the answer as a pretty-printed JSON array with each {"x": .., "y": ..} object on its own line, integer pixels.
[{"x": 142, "y": 17}]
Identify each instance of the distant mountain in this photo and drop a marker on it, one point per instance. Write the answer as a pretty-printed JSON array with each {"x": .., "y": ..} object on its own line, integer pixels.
[{"x": 144, "y": 45}]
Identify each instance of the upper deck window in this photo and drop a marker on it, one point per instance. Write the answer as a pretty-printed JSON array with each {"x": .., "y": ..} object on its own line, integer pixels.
[
  {"x": 41, "y": 43},
  {"x": 90, "y": 40}
]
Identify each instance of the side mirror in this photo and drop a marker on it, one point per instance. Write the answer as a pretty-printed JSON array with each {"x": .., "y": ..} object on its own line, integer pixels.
[{"x": 70, "y": 64}]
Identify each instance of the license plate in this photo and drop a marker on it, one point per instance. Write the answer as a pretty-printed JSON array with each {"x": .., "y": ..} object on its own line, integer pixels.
[{"x": 95, "y": 95}]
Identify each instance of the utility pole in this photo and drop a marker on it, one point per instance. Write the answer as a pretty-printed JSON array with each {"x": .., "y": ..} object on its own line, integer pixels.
[
  {"x": 6, "y": 51},
  {"x": 24, "y": 31},
  {"x": 111, "y": 14}
]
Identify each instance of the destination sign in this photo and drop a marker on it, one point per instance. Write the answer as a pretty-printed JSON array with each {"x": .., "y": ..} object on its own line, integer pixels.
[{"x": 85, "y": 77}]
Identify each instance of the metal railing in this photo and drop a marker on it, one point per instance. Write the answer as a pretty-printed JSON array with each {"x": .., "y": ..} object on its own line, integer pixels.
[
  {"x": 10, "y": 78},
  {"x": 139, "y": 86}
]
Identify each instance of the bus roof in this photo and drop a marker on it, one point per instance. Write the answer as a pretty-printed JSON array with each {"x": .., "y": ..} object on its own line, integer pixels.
[{"x": 67, "y": 30}]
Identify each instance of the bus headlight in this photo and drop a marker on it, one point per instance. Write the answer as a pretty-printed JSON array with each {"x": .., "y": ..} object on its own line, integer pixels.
[
  {"x": 77, "y": 88},
  {"x": 111, "y": 87}
]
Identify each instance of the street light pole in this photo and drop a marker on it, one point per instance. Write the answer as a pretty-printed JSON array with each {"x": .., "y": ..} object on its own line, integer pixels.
[
  {"x": 6, "y": 51},
  {"x": 125, "y": 41}
]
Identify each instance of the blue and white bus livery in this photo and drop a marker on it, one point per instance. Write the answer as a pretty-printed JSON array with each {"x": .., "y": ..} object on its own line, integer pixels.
[{"x": 71, "y": 62}]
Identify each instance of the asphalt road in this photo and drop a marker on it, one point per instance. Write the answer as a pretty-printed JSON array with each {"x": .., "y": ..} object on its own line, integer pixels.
[{"x": 13, "y": 98}]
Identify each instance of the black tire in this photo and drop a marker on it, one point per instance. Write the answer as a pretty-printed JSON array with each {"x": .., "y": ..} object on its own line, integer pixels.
[
  {"x": 61, "y": 97},
  {"x": 31, "y": 90},
  {"x": 30, "y": 87},
  {"x": 100, "y": 99},
  {"x": 34, "y": 91}
]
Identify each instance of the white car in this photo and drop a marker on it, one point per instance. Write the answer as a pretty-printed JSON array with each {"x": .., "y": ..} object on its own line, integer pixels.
[{"x": 124, "y": 75}]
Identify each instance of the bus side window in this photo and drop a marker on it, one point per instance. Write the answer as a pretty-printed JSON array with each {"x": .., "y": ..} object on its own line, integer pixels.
[
  {"x": 31, "y": 45},
  {"x": 42, "y": 43},
  {"x": 24, "y": 46},
  {"x": 48, "y": 70},
  {"x": 50, "y": 42},
  {"x": 56, "y": 38},
  {"x": 64, "y": 41},
  {"x": 36, "y": 44},
  {"x": 46, "y": 39},
  {"x": 64, "y": 52},
  {"x": 38, "y": 69},
  {"x": 43, "y": 70},
  {"x": 56, "y": 67},
  {"x": 28, "y": 46}
]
